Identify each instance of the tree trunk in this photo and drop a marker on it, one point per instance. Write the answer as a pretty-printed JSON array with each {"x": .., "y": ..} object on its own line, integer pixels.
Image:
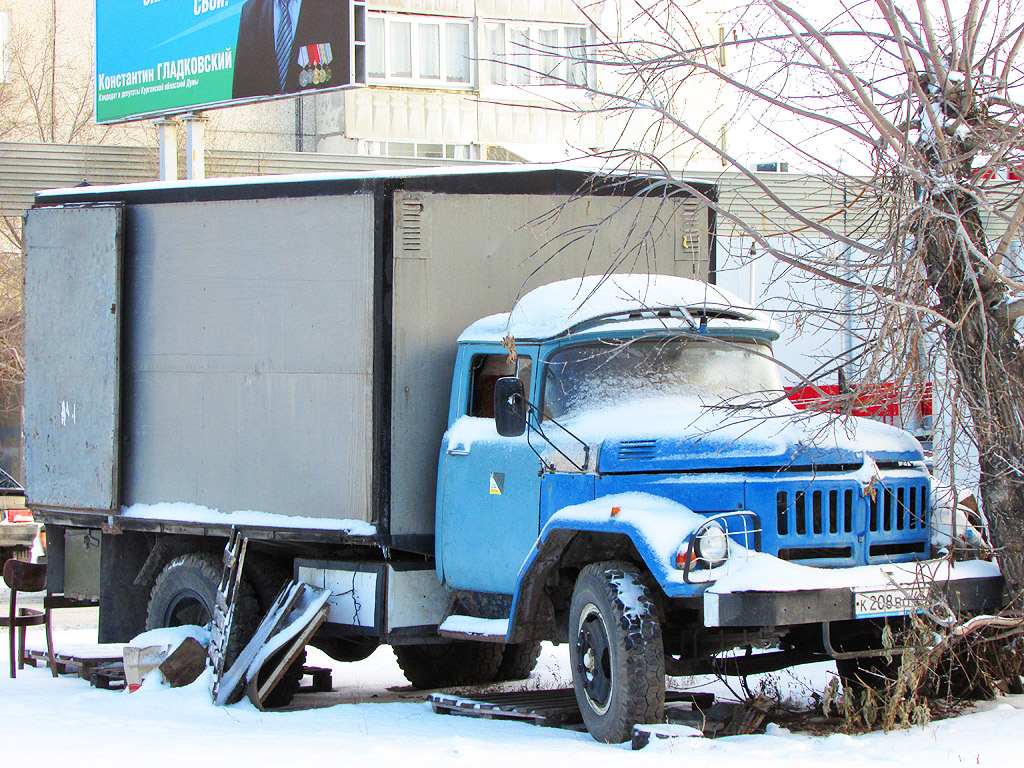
[{"x": 984, "y": 355}]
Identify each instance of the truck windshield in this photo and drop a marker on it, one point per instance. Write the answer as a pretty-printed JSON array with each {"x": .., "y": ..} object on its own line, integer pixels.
[{"x": 609, "y": 372}]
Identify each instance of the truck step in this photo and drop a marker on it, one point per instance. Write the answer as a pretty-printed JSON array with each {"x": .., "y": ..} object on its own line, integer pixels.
[
  {"x": 552, "y": 709},
  {"x": 471, "y": 628}
]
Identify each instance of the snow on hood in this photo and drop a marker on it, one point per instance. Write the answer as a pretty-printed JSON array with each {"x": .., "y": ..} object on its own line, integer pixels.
[
  {"x": 690, "y": 435},
  {"x": 553, "y": 309}
]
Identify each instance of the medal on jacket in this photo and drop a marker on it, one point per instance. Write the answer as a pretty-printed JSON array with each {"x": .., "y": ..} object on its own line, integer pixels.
[{"x": 315, "y": 61}]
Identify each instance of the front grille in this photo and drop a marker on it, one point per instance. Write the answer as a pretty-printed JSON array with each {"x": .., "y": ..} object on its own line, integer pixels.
[
  {"x": 816, "y": 553},
  {"x": 827, "y": 511},
  {"x": 824, "y": 519},
  {"x": 899, "y": 509}
]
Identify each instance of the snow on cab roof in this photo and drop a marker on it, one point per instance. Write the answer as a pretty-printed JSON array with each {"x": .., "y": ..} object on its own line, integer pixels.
[{"x": 555, "y": 309}]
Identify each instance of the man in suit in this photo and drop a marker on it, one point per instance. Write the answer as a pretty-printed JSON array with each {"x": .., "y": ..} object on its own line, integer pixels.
[{"x": 291, "y": 46}]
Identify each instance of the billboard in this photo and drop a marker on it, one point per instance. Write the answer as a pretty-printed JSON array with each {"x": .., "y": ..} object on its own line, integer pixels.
[{"x": 162, "y": 57}]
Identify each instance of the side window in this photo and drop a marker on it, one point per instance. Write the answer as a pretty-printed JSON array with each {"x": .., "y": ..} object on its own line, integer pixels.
[{"x": 485, "y": 370}]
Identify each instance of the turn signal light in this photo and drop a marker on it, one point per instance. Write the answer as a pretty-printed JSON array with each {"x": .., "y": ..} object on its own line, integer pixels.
[{"x": 681, "y": 558}]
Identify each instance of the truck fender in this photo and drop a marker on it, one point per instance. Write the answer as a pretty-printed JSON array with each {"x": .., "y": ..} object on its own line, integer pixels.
[{"x": 610, "y": 527}]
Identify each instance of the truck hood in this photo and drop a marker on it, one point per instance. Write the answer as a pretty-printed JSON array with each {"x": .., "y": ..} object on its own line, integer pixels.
[{"x": 688, "y": 436}]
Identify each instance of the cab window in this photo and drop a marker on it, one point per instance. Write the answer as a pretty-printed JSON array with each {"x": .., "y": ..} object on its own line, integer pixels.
[{"x": 485, "y": 370}]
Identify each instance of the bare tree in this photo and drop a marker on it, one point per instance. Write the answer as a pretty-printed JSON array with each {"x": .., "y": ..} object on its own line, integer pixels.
[{"x": 911, "y": 111}]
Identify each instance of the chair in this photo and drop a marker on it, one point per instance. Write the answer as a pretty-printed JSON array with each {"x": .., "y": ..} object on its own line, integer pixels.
[{"x": 26, "y": 577}]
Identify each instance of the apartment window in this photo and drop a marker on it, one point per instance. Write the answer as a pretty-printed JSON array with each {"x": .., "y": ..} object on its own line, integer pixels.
[
  {"x": 537, "y": 54},
  {"x": 418, "y": 50}
]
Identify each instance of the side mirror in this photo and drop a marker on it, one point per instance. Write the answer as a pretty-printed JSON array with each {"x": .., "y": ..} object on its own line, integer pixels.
[{"x": 509, "y": 406}]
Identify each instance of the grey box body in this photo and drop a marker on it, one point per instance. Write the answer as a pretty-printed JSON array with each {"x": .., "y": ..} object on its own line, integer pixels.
[{"x": 287, "y": 346}]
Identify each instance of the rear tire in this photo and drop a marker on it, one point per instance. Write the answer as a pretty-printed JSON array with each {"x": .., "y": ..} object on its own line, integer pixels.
[
  {"x": 517, "y": 661},
  {"x": 267, "y": 576},
  {"x": 616, "y": 651},
  {"x": 185, "y": 592},
  {"x": 442, "y": 665},
  {"x": 282, "y": 694},
  {"x": 347, "y": 649}
]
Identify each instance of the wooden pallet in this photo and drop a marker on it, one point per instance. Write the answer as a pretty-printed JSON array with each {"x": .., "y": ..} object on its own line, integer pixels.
[
  {"x": 552, "y": 709},
  {"x": 85, "y": 667},
  {"x": 109, "y": 678}
]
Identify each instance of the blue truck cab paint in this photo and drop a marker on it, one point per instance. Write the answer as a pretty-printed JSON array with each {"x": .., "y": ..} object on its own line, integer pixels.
[{"x": 663, "y": 466}]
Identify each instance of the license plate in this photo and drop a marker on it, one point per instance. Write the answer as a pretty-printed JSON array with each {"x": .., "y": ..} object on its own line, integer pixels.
[{"x": 891, "y": 601}]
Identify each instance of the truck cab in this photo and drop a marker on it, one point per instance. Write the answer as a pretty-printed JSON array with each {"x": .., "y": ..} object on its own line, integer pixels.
[{"x": 648, "y": 494}]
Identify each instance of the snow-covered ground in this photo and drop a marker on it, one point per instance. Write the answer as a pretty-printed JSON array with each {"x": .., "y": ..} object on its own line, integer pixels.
[{"x": 369, "y": 717}]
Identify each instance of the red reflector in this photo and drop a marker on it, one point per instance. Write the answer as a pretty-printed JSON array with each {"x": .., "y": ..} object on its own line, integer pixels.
[
  {"x": 616, "y": 510},
  {"x": 19, "y": 516}
]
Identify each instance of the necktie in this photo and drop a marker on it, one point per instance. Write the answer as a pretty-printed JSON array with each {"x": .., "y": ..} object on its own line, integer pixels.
[{"x": 283, "y": 43}]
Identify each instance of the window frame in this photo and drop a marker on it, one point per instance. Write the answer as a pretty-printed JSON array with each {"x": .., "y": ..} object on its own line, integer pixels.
[
  {"x": 478, "y": 359},
  {"x": 418, "y": 24},
  {"x": 505, "y": 67}
]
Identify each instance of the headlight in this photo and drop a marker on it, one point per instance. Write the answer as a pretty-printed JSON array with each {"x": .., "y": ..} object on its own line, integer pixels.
[{"x": 712, "y": 545}]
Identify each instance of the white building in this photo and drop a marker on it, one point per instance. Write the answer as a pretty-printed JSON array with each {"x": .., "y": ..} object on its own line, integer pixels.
[{"x": 473, "y": 79}]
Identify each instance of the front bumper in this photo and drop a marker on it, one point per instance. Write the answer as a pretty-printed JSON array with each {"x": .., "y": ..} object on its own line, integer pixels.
[{"x": 971, "y": 590}]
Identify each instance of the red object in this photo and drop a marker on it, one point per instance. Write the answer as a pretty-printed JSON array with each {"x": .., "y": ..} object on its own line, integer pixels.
[
  {"x": 881, "y": 402},
  {"x": 19, "y": 516}
]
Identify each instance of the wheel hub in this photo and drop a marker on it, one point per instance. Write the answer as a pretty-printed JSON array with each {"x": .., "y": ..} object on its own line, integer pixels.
[{"x": 594, "y": 653}]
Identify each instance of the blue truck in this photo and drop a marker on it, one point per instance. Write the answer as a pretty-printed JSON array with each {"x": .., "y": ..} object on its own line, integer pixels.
[{"x": 619, "y": 468}]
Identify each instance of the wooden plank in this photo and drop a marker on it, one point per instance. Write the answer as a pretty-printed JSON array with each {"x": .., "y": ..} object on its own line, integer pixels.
[
  {"x": 233, "y": 679},
  {"x": 552, "y": 709}
]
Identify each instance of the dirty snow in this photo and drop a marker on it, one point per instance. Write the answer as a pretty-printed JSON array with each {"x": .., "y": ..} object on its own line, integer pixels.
[
  {"x": 195, "y": 513},
  {"x": 65, "y": 722}
]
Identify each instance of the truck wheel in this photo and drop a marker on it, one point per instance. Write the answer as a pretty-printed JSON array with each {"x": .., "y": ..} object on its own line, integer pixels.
[
  {"x": 615, "y": 651},
  {"x": 871, "y": 672},
  {"x": 517, "y": 661},
  {"x": 347, "y": 648},
  {"x": 185, "y": 592},
  {"x": 874, "y": 673},
  {"x": 267, "y": 576},
  {"x": 443, "y": 665},
  {"x": 283, "y": 693}
]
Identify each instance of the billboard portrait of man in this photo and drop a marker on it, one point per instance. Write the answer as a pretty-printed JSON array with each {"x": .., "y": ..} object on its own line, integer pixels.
[{"x": 291, "y": 46}]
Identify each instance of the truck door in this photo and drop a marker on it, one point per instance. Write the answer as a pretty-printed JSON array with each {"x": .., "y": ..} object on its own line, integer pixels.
[
  {"x": 489, "y": 514},
  {"x": 73, "y": 356}
]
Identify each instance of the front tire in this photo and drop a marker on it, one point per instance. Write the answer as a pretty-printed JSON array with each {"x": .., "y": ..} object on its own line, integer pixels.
[{"x": 616, "y": 651}]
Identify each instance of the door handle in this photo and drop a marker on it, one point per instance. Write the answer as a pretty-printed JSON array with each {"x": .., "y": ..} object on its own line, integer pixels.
[{"x": 458, "y": 450}]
